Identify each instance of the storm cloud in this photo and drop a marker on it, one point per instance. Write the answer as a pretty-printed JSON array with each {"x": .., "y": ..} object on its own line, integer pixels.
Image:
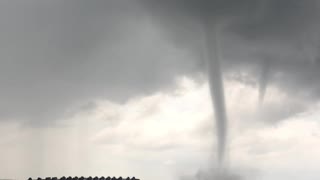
[
  {"x": 258, "y": 37},
  {"x": 107, "y": 73},
  {"x": 273, "y": 43},
  {"x": 56, "y": 55}
]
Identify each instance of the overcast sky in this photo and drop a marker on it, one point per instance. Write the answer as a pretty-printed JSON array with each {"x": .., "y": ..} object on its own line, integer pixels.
[{"x": 120, "y": 88}]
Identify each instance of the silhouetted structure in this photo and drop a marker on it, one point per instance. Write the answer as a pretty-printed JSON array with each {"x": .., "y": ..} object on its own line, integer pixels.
[{"x": 84, "y": 178}]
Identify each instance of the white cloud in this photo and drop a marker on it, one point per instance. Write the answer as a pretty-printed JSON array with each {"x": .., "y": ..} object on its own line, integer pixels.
[{"x": 167, "y": 135}]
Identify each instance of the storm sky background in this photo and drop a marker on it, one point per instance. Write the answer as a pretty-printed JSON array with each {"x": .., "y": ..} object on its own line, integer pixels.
[{"x": 120, "y": 88}]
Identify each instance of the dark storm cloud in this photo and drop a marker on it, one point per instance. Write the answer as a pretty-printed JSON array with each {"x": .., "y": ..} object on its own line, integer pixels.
[
  {"x": 251, "y": 18},
  {"x": 240, "y": 34},
  {"x": 56, "y": 54},
  {"x": 271, "y": 40}
]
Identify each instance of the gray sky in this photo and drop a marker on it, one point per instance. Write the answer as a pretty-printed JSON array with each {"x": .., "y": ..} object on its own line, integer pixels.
[{"x": 120, "y": 88}]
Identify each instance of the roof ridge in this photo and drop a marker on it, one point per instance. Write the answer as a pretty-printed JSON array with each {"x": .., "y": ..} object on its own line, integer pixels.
[{"x": 85, "y": 178}]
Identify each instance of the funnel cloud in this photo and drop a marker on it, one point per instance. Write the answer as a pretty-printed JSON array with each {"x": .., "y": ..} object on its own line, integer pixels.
[
  {"x": 216, "y": 85},
  {"x": 264, "y": 78}
]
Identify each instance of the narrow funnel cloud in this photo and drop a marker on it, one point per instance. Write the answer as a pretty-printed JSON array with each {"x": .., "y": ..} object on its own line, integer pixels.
[
  {"x": 216, "y": 86},
  {"x": 264, "y": 79}
]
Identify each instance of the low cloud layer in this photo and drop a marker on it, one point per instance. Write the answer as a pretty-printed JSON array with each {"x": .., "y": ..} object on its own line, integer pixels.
[{"x": 163, "y": 135}]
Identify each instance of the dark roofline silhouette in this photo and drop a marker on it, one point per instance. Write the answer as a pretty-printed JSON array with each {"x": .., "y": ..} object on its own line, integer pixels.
[{"x": 84, "y": 178}]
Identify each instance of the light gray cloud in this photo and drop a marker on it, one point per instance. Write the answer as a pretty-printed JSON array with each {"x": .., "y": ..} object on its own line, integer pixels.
[{"x": 57, "y": 54}]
